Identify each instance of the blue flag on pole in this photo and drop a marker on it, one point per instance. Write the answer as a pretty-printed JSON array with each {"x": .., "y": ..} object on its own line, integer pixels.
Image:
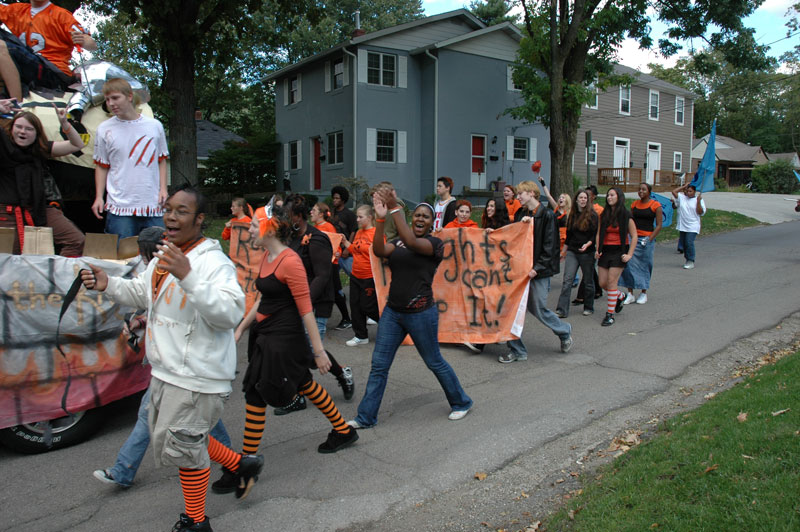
[
  {"x": 666, "y": 209},
  {"x": 704, "y": 177},
  {"x": 796, "y": 174}
]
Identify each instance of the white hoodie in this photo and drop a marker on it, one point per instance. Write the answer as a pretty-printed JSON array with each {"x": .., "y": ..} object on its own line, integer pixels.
[{"x": 189, "y": 338}]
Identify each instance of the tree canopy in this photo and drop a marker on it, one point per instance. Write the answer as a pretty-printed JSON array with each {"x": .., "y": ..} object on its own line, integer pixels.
[{"x": 569, "y": 45}]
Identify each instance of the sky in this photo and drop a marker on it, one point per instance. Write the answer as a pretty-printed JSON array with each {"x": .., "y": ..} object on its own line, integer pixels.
[{"x": 769, "y": 21}]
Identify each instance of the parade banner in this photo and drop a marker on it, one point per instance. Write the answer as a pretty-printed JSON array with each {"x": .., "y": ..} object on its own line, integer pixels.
[
  {"x": 481, "y": 285},
  {"x": 336, "y": 242},
  {"x": 99, "y": 363},
  {"x": 247, "y": 259}
]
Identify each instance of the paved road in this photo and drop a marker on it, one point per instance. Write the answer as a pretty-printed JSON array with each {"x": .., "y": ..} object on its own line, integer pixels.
[{"x": 744, "y": 281}]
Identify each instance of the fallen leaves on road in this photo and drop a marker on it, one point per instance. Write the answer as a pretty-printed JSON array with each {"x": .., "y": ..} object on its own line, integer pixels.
[
  {"x": 533, "y": 527},
  {"x": 779, "y": 412},
  {"x": 709, "y": 396},
  {"x": 742, "y": 417},
  {"x": 480, "y": 475}
]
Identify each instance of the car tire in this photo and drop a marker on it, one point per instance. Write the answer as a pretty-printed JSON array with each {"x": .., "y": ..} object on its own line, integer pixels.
[{"x": 29, "y": 438}]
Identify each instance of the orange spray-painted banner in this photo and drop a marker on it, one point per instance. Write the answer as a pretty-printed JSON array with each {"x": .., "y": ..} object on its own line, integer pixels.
[
  {"x": 247, "y": 259},
  {"x": 336, "y": 242},
  {"x": 481, "y": 285}
]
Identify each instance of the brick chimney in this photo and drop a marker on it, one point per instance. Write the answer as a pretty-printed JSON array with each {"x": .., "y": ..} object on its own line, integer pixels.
[{"x": 358, "y": 32}]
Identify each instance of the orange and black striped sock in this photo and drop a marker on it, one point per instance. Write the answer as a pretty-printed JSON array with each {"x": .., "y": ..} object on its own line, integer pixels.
[
  {"x": 222, "y": 455},
  {"x": 322, "y": 400},
  {"x": 254, "y": 420},
  {"x": 194, "y": 483}
]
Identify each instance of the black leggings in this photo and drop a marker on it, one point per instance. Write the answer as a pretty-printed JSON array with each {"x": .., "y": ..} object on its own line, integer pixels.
[{"x": 338, "y": 293}]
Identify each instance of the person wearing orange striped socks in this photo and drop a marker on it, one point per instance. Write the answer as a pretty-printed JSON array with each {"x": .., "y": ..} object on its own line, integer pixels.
[
  {"x": 193, "y": 302},
  {"x": 616, "y": 242},
  {"x": 280, "y": 356}
]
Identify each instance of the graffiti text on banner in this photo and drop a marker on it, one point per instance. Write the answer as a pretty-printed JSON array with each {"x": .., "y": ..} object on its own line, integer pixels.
[{"x": 481, "y": 285}]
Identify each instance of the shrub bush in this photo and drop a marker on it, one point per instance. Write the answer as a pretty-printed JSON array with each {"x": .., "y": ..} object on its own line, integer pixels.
[{"x": 775, "y": 178}]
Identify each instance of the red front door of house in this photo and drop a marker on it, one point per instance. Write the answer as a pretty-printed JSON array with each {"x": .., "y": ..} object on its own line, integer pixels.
[{"x": 478, "y": 163}]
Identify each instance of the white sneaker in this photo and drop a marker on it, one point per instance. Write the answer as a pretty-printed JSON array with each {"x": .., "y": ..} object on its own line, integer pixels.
[
  {"x": 471, "y": 347},
  {"x": 354, "y": 341},
  {"x": 455, "y": 415},
  {"x": 370, "y": 321},
  {"x": 630, "y": 298},
  {"x": 689, "y": 265},
  {"x": 642, "y": 299}
]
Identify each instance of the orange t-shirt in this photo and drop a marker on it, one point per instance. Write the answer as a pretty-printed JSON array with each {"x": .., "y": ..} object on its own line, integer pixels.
[
  {"x": 359, "y": 248},
  {"x": 326, "y": 226},
  {"x": 598, "y": 209},
  {"x": 226, "y": 233},
  {"x": 48, "y": 32},
  {"x": 513, "y": 206},
  {"x": 455, "y": 224}
]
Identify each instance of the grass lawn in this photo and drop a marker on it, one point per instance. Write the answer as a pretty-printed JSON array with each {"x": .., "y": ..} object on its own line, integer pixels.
[{"x": 732, "y": 464}]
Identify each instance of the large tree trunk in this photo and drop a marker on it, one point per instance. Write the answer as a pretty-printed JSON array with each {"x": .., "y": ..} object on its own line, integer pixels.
[{"x": 179, "y": 84}]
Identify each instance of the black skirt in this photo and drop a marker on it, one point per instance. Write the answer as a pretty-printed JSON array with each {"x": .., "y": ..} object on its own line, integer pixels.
[
  {"x": 279, "y": 358},
  {"x": 612, "y": 257}
]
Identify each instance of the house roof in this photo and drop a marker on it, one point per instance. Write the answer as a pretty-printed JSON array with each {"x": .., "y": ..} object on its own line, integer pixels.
[
  {"x": 465, "y": 15},
  {"x": 652, "y": 81},
  {"x": 211, "y": 137},
  {"x": 506, "y": 27},
  {"x": 790, "y": 157},
  {"x": 728, "y": 149}
]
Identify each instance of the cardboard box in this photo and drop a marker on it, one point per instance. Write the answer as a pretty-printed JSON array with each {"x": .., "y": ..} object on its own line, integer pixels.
[
  {"x": 38, "y": 241},
  {"x": 7, "y": 240},
  {"x": 100, "y": 246}
]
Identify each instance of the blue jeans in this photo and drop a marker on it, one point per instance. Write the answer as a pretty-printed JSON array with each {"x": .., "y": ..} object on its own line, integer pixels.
[
  {"x": 126, "y": 226},
  {"x": 392, "y": 329},
  {"x": 537, "y": 305},
  {"x": 346, "y": 264},
  {"x": 686, "y": 243},
  {"x": 132, "y": 451}
]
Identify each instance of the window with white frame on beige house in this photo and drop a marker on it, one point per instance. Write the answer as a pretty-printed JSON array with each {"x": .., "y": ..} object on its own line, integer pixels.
[
  {"x": 652, "y": 113},
  {"x": 679, "y": 110},
  {"x": 591, "y": 153},
  {"x": 625, "y": 100},
  {"x": 677, "y": 161}
]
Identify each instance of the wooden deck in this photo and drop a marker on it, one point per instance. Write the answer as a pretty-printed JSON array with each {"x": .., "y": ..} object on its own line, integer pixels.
[{"x": 629, "y": 179}]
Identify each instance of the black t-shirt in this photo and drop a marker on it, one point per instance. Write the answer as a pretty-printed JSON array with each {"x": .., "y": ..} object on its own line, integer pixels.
[
  {"x": 412, "y": 276},
  {"x": 345, "y": 222}
]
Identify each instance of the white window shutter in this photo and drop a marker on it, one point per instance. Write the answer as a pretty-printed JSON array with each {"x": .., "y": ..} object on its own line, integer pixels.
[
  {"x": 532, "y": 149},
  {"x": 401, "y": 146},
  {"x": 346, "y": 70},
  {"x": 372, "y": 143},
  {"x": 402, "y": 69},
  {"x": 509, "y": 79},
  {"x": 510, "y": 148},
  {"x": 299, "y": 87},
  {"x": 299, "y": 154},
  {"x": 286, "y": 91},
  {"x": 286, "y": 158},
  {"x": 327, "y": 76},
  {"x": 362, "y": 66}
]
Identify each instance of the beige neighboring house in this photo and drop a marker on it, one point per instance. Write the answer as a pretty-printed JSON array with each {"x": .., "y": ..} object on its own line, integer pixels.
[
  {"x": 641, "y": 132},
  {"x": 791, "y": 157},
  {"x": 735, "y": 159}
]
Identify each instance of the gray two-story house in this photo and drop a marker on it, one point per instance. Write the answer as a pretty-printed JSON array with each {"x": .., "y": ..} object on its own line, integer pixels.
[
  {"x": 408, "y": 104},
  {"x": 640, "y": 132}
]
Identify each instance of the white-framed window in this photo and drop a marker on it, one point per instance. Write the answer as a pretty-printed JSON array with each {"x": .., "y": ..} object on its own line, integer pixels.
[
  {"x": 510, "y": 84},
  {"x": 294, "y": 89},
  {"x": 593, "y": 101},
  {"x": 385, "y": 146},
  {"x": 336, "y": 148},
  {"x": 652, "y": 113},
  {"x": 677, "y": 162},
  {"x": 591, "y": 153},
  {"x": 292, "y": 155},
  {"x": 679, "y": 110},
  {"x": 625, "y": 99},
  {"x": 337, "y": 81},
  {"x": 520, "y": 149},
  {"x": 381, "y": 69}
]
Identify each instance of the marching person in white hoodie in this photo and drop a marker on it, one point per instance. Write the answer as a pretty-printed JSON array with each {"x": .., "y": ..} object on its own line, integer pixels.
[{"x": 193, "y": 302}]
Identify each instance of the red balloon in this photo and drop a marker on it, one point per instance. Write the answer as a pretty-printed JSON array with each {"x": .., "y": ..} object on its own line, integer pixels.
[{"x": 536, "y": 166}]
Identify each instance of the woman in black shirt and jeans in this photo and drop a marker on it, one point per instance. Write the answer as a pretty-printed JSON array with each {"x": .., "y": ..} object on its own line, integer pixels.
[
  {"x": 410, "y": 309},
  {"x": 581, "y": 232}
]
